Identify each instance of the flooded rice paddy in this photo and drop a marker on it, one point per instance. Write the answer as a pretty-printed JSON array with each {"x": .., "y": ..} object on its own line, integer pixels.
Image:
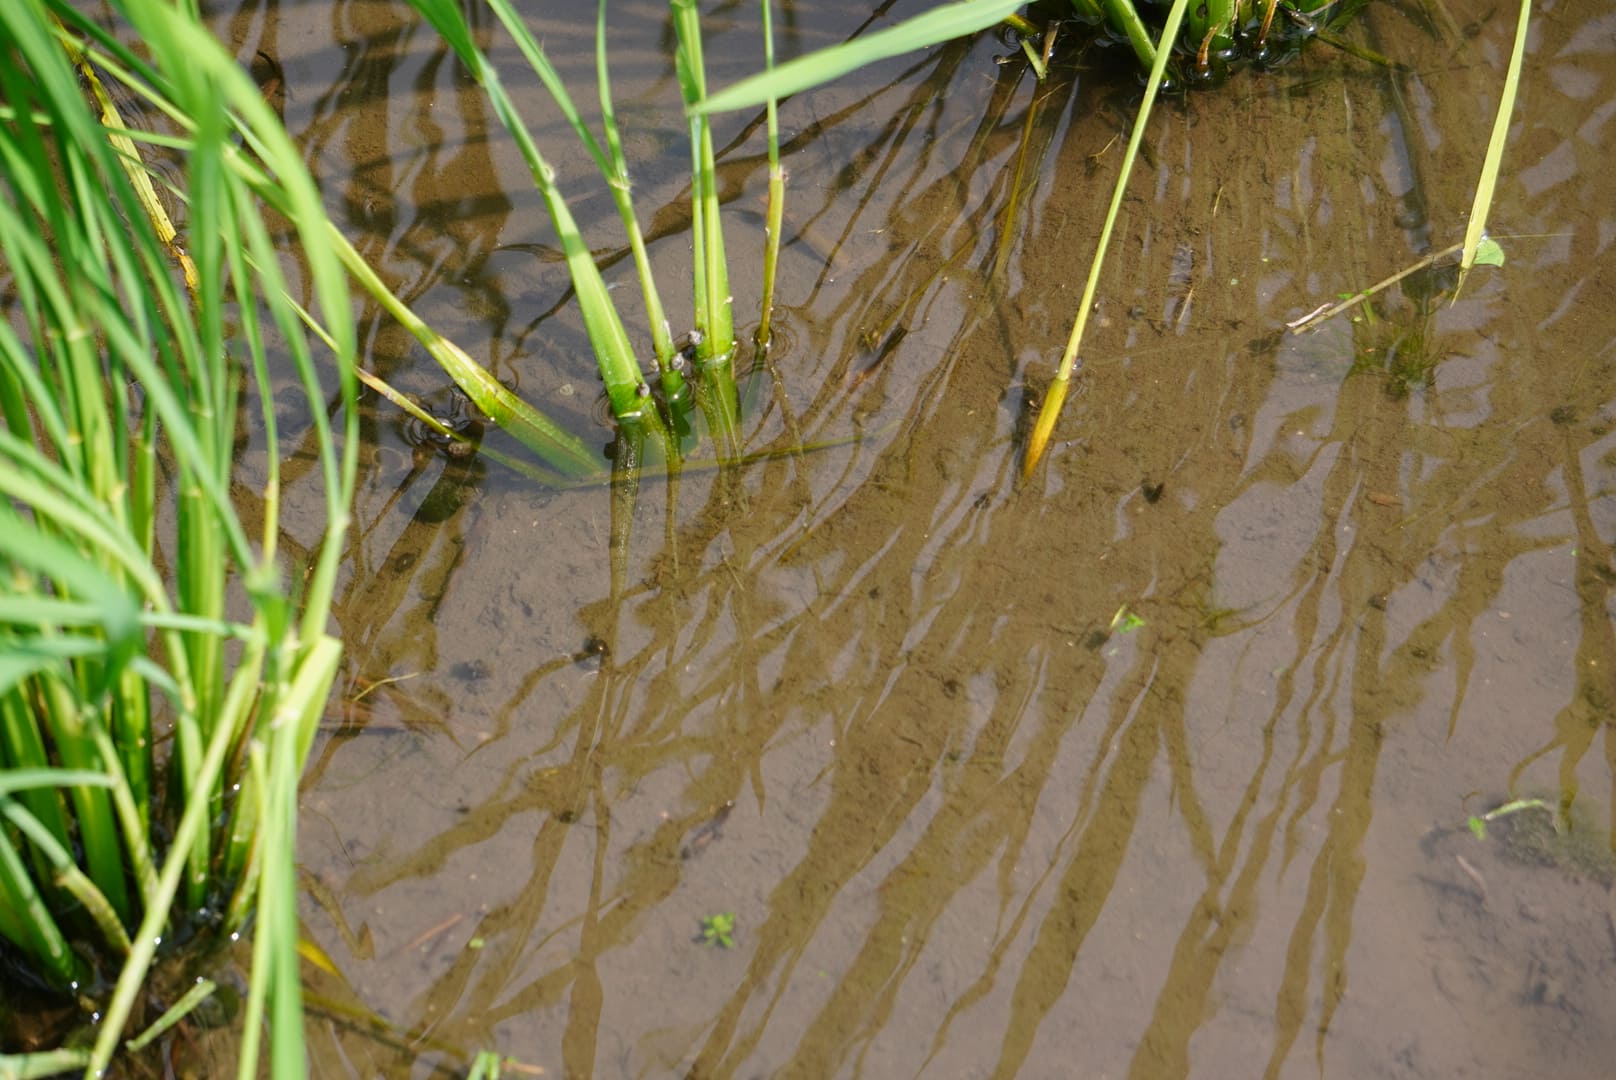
[{"x": 1156, "y": 766}]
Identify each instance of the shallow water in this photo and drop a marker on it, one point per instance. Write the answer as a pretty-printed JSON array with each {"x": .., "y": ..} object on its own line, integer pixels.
[{"x": 875, "y": 699}]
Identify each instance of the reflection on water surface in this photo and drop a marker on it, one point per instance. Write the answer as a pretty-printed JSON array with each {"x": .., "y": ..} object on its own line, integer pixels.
[{"x": 872, "y": 699}]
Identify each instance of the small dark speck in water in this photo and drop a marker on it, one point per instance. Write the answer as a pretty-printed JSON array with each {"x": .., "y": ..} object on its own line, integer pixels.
[
  {"x": 712, "y": 829},
  {"x": 1412, "y": 216},
  {"x": 595, "y": 648},
  {"x": 472, "y": 670},
  {"x": 1267, "y": 343},
  {"x": 1428, "y": 285}
]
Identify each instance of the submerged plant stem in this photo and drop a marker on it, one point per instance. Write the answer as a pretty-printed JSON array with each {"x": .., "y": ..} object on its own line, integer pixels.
[{"x": 1328, "y": 312}]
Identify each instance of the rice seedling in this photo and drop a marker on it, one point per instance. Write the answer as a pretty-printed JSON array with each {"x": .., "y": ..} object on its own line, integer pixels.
[
  {"x": 698, "y": 370},
  {"x": 162, "y": 668},
  {"x": 711, "y": 343},
  {"x": 718, "y": 930},
  {"x": 1221, "y": 35}
]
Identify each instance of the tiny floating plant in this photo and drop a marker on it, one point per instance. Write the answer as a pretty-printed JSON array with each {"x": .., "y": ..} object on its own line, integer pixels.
[{"x": 718, "y": 930}]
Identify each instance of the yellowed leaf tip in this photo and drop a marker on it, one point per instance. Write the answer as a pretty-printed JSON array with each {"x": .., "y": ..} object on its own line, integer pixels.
[
  {"x": 315, "y": 955},
  {"x": 1047, "y": 415}
]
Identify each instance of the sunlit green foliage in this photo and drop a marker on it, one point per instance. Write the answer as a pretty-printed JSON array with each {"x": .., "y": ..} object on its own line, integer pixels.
[{"x": 163, "y": 663}]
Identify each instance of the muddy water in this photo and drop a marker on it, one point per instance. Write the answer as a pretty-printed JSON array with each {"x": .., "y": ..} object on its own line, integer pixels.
[{"x": 886, "y": 706}]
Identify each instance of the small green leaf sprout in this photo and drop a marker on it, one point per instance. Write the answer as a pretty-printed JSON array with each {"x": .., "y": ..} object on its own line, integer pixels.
[
  {"x": 1125, "y": 621},
  {"x": 1489, "y": 253},
  {"x": 718, "y": 930}
]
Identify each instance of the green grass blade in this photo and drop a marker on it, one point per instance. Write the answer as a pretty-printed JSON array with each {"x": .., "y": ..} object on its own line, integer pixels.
[
  {"x": 714, "y": 317},
  {"x": 40, "y": 1066},
  {"x": 617, "y": 181},
  {"x": 98, "y": 308},
  {"x": 1481, "y": 206},
  {"x": 1122, "y": 16},
  {"x": 611, "y": 164},
  {"x": 614, "y": 353},
  {"x": 199, "y": 992},
  {"x": 15, "y": 780},
  {"x": 427, "y": 420},
  {"x": 28, "y": 920},
  {"x": 1056, "y": 398},
  {"x": 777, "y": 190},
  {"x": 943, "y": 23},
  {"x": 74, "y": 881},
  {"x": 559, "y": 449}
]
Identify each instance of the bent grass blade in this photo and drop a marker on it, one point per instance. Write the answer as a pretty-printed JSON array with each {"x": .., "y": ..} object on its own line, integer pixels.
[
  {"x": 559, "y": 449},
  {"x": 943, "y": 23}
]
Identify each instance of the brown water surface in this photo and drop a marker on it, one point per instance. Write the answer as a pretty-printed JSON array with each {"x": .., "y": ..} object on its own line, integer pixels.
[{"x": 876, "y": 699}]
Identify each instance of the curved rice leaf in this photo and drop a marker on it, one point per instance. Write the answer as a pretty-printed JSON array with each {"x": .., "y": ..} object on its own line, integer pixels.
[{"x": 941, "y": 24}]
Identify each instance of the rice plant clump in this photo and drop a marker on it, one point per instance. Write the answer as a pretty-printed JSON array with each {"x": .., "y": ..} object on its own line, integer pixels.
[{"x": 163, "y": 664}]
